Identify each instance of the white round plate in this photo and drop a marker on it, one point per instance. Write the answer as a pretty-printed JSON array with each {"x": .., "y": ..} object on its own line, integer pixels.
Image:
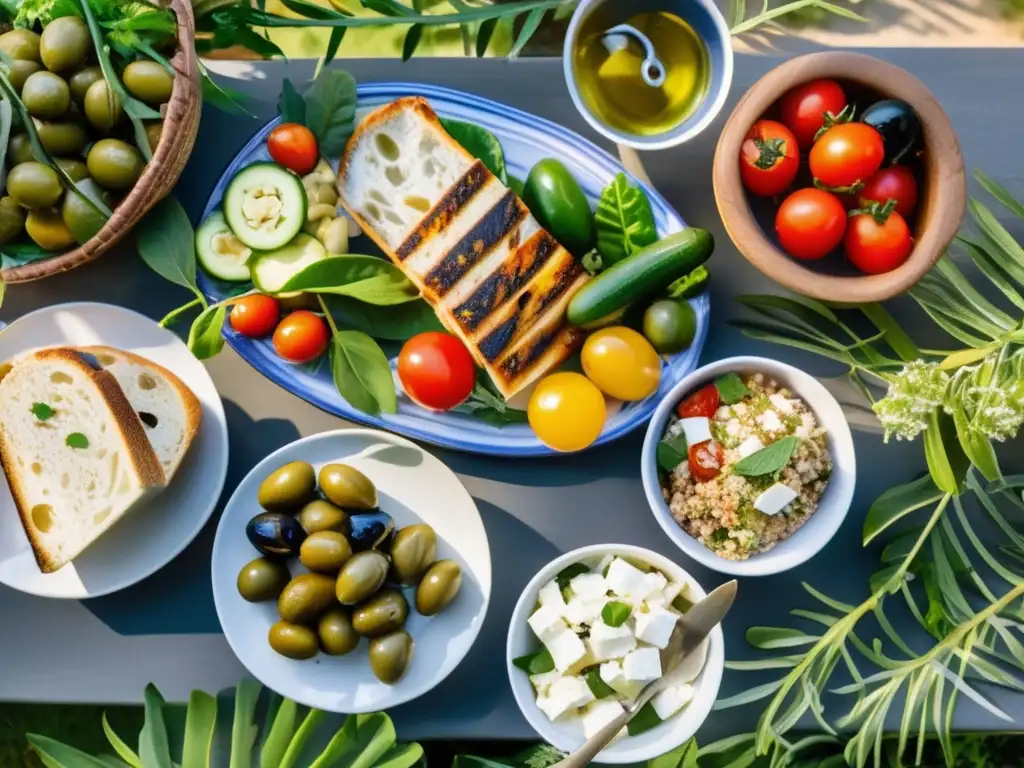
[
  {"x": 413, "y": 487},
  {"x": 146, "y": 539}
]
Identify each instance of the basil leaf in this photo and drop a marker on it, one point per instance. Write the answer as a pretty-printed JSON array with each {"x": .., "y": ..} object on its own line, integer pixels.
[
  {"x": 535, "y": 663},
  {"x": 769, "y": 459},
  {"x": 481, "y": 144},
  {"x": 672, "y": 453},
  {"x": 331, "y": 110},
  {"x": 292, "y": 106},
  {"x": 167, "y": 243},
  {"x": 569, "y": 573},
  {"x": 598, "y": 687},
  {"x": 77, "y": 440},
  {"x": 491, "y": 408},
  {"x": 623, "y": 220},
  {"x": 643, "y": 720},
  {"x": 42, "y": 411},
  {"x": 205, "y": 339},
  {"x": 731, "y": 388},
  {"x": 397, "y": 322},
  {"x": 361, "y": 373},
  {"x": 366, "y": 278},
  {"x": 614, "y": 614}
]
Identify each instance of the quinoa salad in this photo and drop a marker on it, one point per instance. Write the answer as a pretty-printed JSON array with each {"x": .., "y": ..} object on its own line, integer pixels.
[{"x": 744, "y": 464}]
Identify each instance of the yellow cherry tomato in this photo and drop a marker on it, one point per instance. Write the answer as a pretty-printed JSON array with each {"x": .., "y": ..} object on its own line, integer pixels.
[
  {"x": 622, "y": 363},
  {"x": 566, "y": 411}
]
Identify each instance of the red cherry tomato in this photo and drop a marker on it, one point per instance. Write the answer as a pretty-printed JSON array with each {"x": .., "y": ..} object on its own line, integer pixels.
[
  {"x": 436, "y": 370},
  {"x": 877, "y": 245},
  {"x": 293, "y": 146},
  {"x": 769, "y": 158},
  {"x": 810, "y": 223},
  {"x": 255, "y": 316},
  {"x": 706, "y": 460},
  {"x": 895, "y": 183},
  {"x": 846, "y": 154},
  {"x": 301, "y": 337},
  {"x": 803, "y": 108},
  {"x": 703, "y": 402}
]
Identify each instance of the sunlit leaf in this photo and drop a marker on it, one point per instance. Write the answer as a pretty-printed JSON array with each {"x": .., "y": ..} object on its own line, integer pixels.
[{"x": 898, "y": 502}]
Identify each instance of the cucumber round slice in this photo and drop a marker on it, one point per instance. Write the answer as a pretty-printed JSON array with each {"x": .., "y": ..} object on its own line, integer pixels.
[
  {"x": 272, "y": 270},
  {"x": 265, "y": 206},
  {"x": 221, "y": 253}
]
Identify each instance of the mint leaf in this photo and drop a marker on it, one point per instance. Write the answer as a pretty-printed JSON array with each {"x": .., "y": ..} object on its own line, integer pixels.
[
  {"x": 42, "y": 411},
  {"x": 731, "y": 388},
  {"x": 769, "y": 459},
  {"x": 535, "y": 663},
  {"x": 77, "y": 440},
  {"x": 598, "y": 687},
  {"x": 569, "y": 573},
  {"x": 614, "y": 614},
  {"x": 671, "y": 453}
]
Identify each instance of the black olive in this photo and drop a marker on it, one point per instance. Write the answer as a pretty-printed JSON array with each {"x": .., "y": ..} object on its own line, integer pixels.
[
  {"x": 276, "y": 535},
  {"x": 370, "y": 530},
  {"x": 899, "y": 125}
]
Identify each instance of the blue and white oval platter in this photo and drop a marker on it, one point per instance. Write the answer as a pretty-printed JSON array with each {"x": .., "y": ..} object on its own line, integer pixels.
[{"x": 525, "y": 139}]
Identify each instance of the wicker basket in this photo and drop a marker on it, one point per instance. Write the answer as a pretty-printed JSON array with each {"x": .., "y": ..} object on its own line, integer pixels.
[{"x": 181, "y": 123}]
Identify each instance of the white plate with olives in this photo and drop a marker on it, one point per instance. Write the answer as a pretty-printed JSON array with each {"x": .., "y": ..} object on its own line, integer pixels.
[{"x": 351, "y": 571}]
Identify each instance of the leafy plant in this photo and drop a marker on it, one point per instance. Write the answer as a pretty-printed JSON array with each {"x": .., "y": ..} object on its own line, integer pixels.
[
  {"x": 360, "y": 369},
  {"x": 367, "y": 278},
  {"x": 480, "y": 143},
  {"x": 623, "y": 220},
  {"x": 486, "y": 404}
]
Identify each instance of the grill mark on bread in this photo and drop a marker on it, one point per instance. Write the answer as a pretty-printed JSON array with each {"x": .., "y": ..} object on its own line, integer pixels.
[
  {"x": 446, "y": 209},
  {"x": 520, "y": 361}
]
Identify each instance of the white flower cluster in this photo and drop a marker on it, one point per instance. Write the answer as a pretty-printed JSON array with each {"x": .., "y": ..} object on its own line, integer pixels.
[
  {"x": 913, "y": 396},
  {"x": 992, "y": 397}
]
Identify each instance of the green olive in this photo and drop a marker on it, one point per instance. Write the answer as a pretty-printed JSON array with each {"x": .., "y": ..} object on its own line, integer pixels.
[
  {"x": 148, "y": 81},
  {"x": 412, "y": 552},
  {"x": 63, "y": 138},
  {"x": 347, "y": 487},
  {"x": 325, "y": 552},
  {"x": 21, "y": 70},
  {"x": 12, "y": 219},
  {"x": 64, "y": 44},
  {"x": 287, "y": 488},
  {"x": 293, "y": 640},
  {"x": 381, "y": 614},
  {"x": 46, "y": 95},
  {"x": 439, "y": 586},
  {"x": 154, "y": 130},
  {"x": 361, "y": 577},
  {"x": 103, "y": 107},
  {"x": 19, "y": 150},
  {"x": 46, "y": 227},
  {"x": 336, "y": 634},
  {"x": 114, "y": 164},
  {"x": 82, "y": 80},
  {"x": 390, "y": 656},
  {"x": 34, "y": 185},
  {"x": 20, "y": 44},
  {"x": 319, "y": 515},
  {"x": 82, "y": 218},
  {"x": 306, "y": 597},
  {"x": 76, "y": 169},
  {"x": 262, "y": 579}
]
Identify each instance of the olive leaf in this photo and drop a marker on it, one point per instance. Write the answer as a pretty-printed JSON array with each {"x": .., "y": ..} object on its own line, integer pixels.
[
  {"x": 624, "y": 221},
  {"x": 361, "y": 373}
]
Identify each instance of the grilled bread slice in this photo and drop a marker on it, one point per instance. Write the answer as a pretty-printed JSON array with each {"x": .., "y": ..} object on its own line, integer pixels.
[
  {"x": 74, "y": 451},
  {"x": 493, "y": 275},
  {"x": 169, "y": 410}
]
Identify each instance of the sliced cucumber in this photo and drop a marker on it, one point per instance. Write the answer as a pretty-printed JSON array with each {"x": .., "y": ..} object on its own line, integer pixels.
[
  {"x": 265, "y": 206},
  {"x": 270, "y": 271},
  {"x": 221, "y": 253}
]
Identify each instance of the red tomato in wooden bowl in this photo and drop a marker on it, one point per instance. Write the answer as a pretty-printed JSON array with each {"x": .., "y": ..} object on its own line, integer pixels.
[
  {"x": 436, "y": 370},
  {"x": 803, "y": 110},
  {"x": 894, "y": 183},
  {"x": 769, "y": 159},
  {"x": 810, "y": 223},
  {"x": 293, "y": 146},
  {"x": 878, "y": 240},
  {"x": 847, "y": 154}
]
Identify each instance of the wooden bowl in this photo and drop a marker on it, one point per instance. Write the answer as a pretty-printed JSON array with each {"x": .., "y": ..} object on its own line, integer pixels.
[
  {"x": 181, "y": 123},
  {"x": 943, "y": 187}
]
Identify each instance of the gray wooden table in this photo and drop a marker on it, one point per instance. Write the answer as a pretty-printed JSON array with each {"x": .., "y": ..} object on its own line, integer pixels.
[{"x": 165, "y": 629}]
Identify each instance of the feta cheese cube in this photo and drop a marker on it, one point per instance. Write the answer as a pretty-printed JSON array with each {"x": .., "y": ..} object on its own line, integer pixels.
[
  {"x": 610, "y": 642},
  {"x": 579, "y": 611},
  {"x": 550, "y": 596},
  {"x": 782, "y": 404},
  {"x": 697, "y": 429},
  {"x": 671, "y": 700},
  {"x": 770, "y": 421},
  {"x": 751, "y": 445},
  {"x": 653, "y": 582},
  {"x": 565, "y": 695},
  {"x": 611, "y": 672},
  {"x": 546, "y": 623},
  {"x": 544, "y": 680},
  {"x": 603, "y": 565},
  {"x": 657, "y": 600},
  {"x": 673, "y": 590},
  {"x": 775, "y": 499},
  {"x": 642, "y": 665},
  {"x": 566, "y": 649},
  {"x": 624, "y": 579},
  {"x": 655, "y": 627},
  {"x": 589, "y": 586},
  {"x": 600, "y": 714}
]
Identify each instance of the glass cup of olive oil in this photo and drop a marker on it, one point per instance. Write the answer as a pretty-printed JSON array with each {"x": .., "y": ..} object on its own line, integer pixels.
[{"x": 606, "y": 72}]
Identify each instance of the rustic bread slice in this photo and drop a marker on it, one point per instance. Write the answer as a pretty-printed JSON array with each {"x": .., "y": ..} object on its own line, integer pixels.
[
  {"x": 75, "y": 453},
  {"x": 168, "y": 409}
]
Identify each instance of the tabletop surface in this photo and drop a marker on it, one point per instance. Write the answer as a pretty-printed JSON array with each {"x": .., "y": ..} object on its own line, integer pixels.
[{"x": 165, "y": 629}]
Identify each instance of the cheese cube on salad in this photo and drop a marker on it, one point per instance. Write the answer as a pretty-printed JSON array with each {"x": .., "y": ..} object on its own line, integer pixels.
[
  {"x": 566, "y": 649},
  {"x": 599, "y": 714},
  {"x": 579, "y": 611},
  {"x": 550, "y": 596},
  {"x": 697, "y": 429},
  {"x": 589, "y": 586},
  {"x": 655, "y": 627},
  {"x": 669, "y": 701},
  {"x": 568, "y": 693},
  {"x": 545, "y": 623},
  {"x": 610, "y": 642},
  {"x": 642, "y": 665},
  {"x": 611, "y": 673},
  {"x": 654, "y": 583},
  {"x": 544, "y": 680},
  {"x": 775, "y": 499},
  {"x": 624, "y": 579}
]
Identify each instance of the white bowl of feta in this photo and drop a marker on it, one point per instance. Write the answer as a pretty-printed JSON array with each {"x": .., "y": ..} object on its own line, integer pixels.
[
  {"x": 591, "y": 624},
  {"x": 830, "y": 492}
]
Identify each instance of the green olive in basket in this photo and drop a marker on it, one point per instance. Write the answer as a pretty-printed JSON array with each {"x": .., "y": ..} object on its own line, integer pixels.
[
  {"x": 262, "y": 579},
  {"x": 12, "y": 219},
  {"x": 34, "y": 185},
  {"x": 154, "y": 130},
  {"x": 19, "y": 149},
  {"x": 46, "y": 95},
  {"x": 337, "y": 637},
  {"x": 62, "y": 138},
  {"x": 361, "y": 577},
  {"x": 287, "y": 488},
  {"x": 148, "y": 82},
  {"x": 20, "y": 44},
  {"x": 306, "y": 597},
  {"x": 82, "y": 80},
  {"x": 381, "y": 614},
  {"x": 64, "y": 44},
  {"x": 102, "y": 106},
  {"x": 390, "y": 656},
  {"x": 412, "y": 552},
  {"x": 20, "y": 70},
  {"x": 76, "y": 169},
  {"x": 325, "y": 552},
  {"x": 439, "y": 586},
  {"x": 83, "y": 217},
  {"x": 48, "y": 230},
  {"x": 114, "y": 164},
  {"x": 347, "y": 487},
  {"x": 319, "y": 515},
  {"x": 293, "y": 640}
]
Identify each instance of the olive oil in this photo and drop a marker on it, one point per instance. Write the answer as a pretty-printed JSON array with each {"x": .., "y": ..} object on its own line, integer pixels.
[{"x": 611, "y": 82}]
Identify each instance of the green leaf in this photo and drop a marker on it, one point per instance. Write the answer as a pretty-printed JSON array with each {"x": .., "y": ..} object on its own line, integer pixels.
[
  {"x": 569, "y": 573},
  {"x": 227, "y": 100},
  {"x": 690, "y": 285},
  {"x": 205, "y": 337},
  {"x": 898, "y": 502},
  {"x": 769, "y": 638},
  {"x": 481, "y": 144},
  {"x": 291, "y": 106},
  {"x": 484, "y": 35},
  {"x": 769, "y": 460},
  {"x": 731, "y": 388},
  {"x": 485, "y": 405},
  {"x": 200, "y": 724},
  {"x": 947, "y": 462},
  {"x": 1000, "y": 193},
  {"x": 624, "y": 221},
  {"x": 280, "y": 735},
  {"x": 895, "y": 336},
  {"x": 361, "y": 373},
  {"x": 243, "y": 729},
  {"x": 374, "y": 736},
  {"x": 995, "y": 232},
  {"x": 975, "y": 445},
  {"x": 310, "y": 723},
  {"x": 167, "y": 243},
  {"x": 331, "y": 110},
  {"x": 77, "y": 440},
  {"x": 643, "y": 721},
  {"x": 412, "y": 41},
  {"x": 61, "y": 755},
  {"x": 614, "y": 614},
  {"x": 154, "y": 751},
  {"x": 530, "y": 26},
  {"x": 398, "y": 322},
  {"x": 1002, "y": 274},
  {"x": 400, "y": 756},
  {"x": 756, "y": 693},
  {"x": 671, "y": 453},
  {"x": 42, "y": 411},
  {"x": 366, "y": 278},
  {"x": 598, "y": 687},
  {"x": 964, "y": 357},
  {"x": 333, "y": 44},
  {"x": 125, "y": 752},
  {"x": 535, "y": 663}
]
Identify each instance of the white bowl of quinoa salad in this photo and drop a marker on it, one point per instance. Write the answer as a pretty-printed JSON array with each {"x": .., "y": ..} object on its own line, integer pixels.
[{"x": 749, "y": 466}]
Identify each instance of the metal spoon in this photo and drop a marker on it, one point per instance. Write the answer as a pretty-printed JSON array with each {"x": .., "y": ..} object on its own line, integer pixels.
[{"x": 617, "y": 39}]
